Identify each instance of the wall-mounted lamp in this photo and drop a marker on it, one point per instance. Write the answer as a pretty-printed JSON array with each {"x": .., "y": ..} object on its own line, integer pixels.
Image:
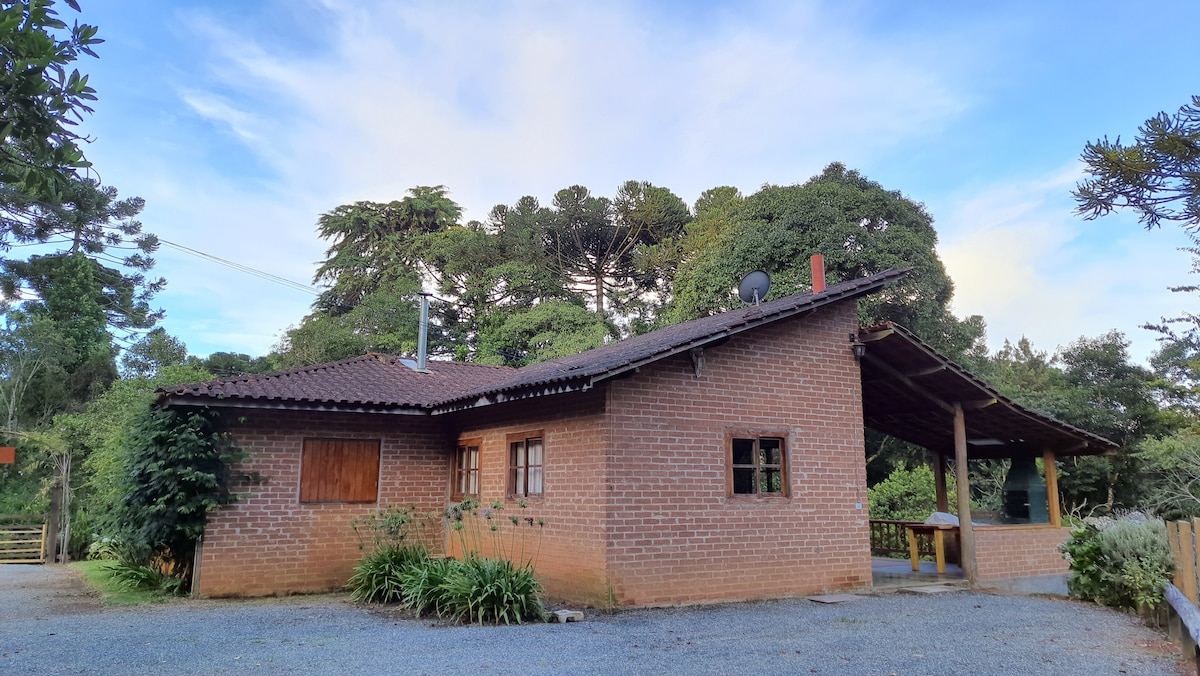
[{"x": 859, "y": 349}]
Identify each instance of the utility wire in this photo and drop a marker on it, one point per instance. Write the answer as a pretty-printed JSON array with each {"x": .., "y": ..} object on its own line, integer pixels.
[
  {"x": 244, "y": 268},
  {"x": 276, "y": 278}
]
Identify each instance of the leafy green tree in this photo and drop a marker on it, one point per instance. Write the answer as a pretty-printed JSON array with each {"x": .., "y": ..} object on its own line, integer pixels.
[
  {"x": 544, "y": 331},
  {"x": 91, "y": 222},
  {"x": 153, "y": 352},
  {"x": 858, "y": 226},
  {"x": 96, "y": 438},
  {"x": 376, "y": 246},
  {"x": 487, "y": 272},
  {"x": 230, "y": 364},
  {"x": 908, "y": 494},
  {"x": 1173, "y": 463},
  {"x": 585, "y": 243},
  {"x": 55, "y": 352},
  {"x": 1091, "y": 384},
  {"x": 33, "y": 357},
  {"x": 90, "y": 290},
  {"x": 177, "y": 470},
  {"x": 382, "y": 321},
  {"x": 41, "y": 100},
  {"x": 1157, "y": 176}
]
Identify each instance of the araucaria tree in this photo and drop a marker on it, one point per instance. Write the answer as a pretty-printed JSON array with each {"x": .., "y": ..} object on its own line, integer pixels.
[{"x": 1157, "y": 176}]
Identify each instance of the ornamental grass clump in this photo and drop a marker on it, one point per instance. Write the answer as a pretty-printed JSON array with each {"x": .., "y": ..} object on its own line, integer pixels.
[
  {"x": 491, "y": 590},
  {"x": 396, "y": 540},
  {"x": 1122, "y": 562},
  {"x": 493, "y": 582},
  {"x": 487, "y": 531},
  {"x": 379, "y": 577}
]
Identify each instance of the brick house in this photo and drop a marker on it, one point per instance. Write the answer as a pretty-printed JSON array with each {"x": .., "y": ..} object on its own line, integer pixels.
[{"x": 717, "y": 459}]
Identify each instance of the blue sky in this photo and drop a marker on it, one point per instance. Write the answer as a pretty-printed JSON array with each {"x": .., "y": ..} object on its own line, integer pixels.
[{"x": 240, "y": 122}]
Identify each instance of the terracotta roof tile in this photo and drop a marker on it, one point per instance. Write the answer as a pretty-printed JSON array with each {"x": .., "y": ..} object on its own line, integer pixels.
[
  {"x": 371, "y": 380},
  {"x": 378, "y": 381}
]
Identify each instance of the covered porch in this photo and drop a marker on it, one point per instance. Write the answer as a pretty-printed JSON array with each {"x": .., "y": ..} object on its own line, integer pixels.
[{"x": 913, "y": 393}]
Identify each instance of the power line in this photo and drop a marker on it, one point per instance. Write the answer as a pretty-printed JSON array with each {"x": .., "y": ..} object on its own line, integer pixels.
[{"x": 283, "y": 281}]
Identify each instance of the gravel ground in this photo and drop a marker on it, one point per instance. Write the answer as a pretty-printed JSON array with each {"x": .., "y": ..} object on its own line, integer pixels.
[{"x": 49, "y": 624}]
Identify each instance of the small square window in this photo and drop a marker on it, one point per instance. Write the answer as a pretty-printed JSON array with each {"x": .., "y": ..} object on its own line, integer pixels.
[
  {"x": 525, "y": 458},
  {"x": 757, "y": 465}
]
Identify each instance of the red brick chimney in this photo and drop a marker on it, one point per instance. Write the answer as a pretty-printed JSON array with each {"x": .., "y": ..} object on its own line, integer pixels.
[{"x": 818, "y": 273}]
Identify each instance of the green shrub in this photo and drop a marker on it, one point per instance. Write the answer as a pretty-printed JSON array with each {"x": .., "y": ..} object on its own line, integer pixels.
[
  {"x": 177, "y": 470},
  {"x": 485, "y": 586},
  {"x": 104, "y": 549},
  {"x": 139, "y": 577},
  {"x": 377, "y": 578},
  {"x": 1122, "y": 562},
  {"x": 423, "y": 585},
  {"x": 907, "y": 494},
  {"x": 492, "y": 590}
]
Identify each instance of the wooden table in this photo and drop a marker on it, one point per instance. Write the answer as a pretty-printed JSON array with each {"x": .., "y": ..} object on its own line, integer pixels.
[{"x": 939, "y": 543}]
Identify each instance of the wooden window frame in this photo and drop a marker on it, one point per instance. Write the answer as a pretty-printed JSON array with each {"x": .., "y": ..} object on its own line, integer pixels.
[
  {"x": 333, "y": 490},
  {"x": 519, "y": 474},
  {"x": 460, "y": 476},
  {"x": 757, "y": 436}
]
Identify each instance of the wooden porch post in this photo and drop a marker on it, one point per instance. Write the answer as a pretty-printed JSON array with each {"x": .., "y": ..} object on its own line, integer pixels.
[
  {"x": 939, "y": 482},
  {"x": 1051, "y": 466},
  {"x": 966, "y": 532}
]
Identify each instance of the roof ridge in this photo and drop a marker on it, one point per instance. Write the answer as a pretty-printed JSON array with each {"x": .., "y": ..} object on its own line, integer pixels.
[{"x": 249, "y": 377}]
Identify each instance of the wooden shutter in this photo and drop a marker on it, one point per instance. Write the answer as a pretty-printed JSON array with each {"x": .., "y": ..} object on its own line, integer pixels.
[{"x": 339, "y": 470}]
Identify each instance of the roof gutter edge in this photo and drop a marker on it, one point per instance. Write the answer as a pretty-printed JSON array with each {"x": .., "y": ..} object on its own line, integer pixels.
[{"x": 286, "y": 405}]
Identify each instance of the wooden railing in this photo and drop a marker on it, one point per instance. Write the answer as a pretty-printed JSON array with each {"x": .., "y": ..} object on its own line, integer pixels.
[
  {"x": 889, "y": 537},
  {"x": 22, "y": 538},
  {"x": 1183, "y": 618}
]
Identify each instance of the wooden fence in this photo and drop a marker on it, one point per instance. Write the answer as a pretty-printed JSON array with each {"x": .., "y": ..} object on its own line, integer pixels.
[
  {"x": 22, "y": 538},
  {"x": 1183, "y": 618}
]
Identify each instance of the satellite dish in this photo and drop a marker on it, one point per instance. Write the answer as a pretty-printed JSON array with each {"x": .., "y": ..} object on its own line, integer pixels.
[{"x": 754, "y": 287}]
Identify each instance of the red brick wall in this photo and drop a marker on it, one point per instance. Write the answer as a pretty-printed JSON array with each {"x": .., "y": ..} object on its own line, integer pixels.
[
  {"x": 268, "y": 543},
  {"x": 675, "y": 535},
  {"x": 635, "y": 500},
  {"x": 1019, "y": 550},
  {"x": 570, "y": 547}
]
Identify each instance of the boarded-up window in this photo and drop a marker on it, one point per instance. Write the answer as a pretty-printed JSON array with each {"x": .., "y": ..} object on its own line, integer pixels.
[{"x": 339, "y": 470}]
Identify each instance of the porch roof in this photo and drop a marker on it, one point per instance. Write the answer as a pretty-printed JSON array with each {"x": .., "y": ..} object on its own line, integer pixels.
[{"x": 909, "y": 392}]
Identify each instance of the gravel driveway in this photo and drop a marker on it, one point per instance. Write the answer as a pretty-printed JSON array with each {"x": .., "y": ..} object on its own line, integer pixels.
[{"x": 49, "y": 624}]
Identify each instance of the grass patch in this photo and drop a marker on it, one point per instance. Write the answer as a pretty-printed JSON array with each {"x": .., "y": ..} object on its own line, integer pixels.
[{"x": 101, "y": 577}]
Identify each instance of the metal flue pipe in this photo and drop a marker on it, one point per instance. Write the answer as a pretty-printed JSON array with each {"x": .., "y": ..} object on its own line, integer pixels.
[{"x": 423, "y": 332}]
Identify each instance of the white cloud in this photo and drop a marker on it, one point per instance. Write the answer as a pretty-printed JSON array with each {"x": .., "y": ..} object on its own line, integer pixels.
[
  {"x": 1023, "y": 260},
  {"x": 499, "y": 100},
  {"x": 496, "y": 101}
]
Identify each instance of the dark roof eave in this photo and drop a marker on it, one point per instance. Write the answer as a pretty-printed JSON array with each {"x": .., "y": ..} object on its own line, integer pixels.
[
  {"x": 501, "y": 396},
  {"x": 287, "y": 405}
]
